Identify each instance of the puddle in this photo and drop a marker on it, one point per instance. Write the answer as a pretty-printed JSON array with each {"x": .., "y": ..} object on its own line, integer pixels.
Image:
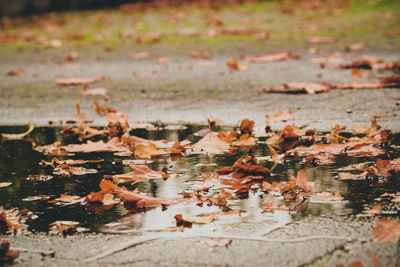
[{"x": 18, "y": 161}]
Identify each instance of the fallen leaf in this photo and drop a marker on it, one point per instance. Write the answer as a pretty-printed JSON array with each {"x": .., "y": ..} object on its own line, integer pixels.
[
  {"x": 5, "y": 184},
  {"x": 302, "y": 181},
  {"x": 387, "y": 230},
  {"x": 280, "y": 116},
  {"x": 16, "y": 72},
  {"x": 246, "y": 126},
  {"x": 11, "y": 220},
  {"x": 234, "y": 64},
  {"x": 70, "y": 199},
  {"x": 384, "y": 115},
  {"x": 149, "y": 151},
  {"x": 77, "y": 81},
  {"x": 199, "y": 54},
  {"x": 211, "y": 144},
  {"x": 285, "y": 55},
  {"x": 141, "y": 55},
  {"x": 245, "y": 140},
  {"x": 376, "y": 209},
  {"x": 309, "y": 88},
  {"x": 348, "y": 176},
  {"x": 102, "y": 109},
  {"x": 216, "y": 242},
  {"x": 270, "y": 206},
  {"x": 139, "y": 173},
  {"x": 320, "y": 40},
  {"x": 326, "y": 196},
  {"x": 72, "y": 56},
  {"x": 94, "y": 91},
  {"x": 355, "y": 47},
  {"x": 65, "y": 229},
  {"x": 143, "y": 201},
  {"x": 6, "y": 254},
  {"x": 391, "y": 81}
]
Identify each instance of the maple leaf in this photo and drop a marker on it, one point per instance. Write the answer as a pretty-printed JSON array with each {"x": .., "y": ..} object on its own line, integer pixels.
[
  {"x": 387, "y": 230},
  {"x": 355, "y": 47},
  {"x": 216, "y": 242},
  {"x": 270, "y": 206},
  {"x": 70, "y": 199},
  {"x": 309, "y": 88},
  {"x": 139, "y": 173},
  {"x": 77, "y": 81},
  {"x": 245, "y": 168},
  {"x": 210, "y": 144},
  {"x": 102, "y": 109},
  {"x": 94, "y": 91},
  {"x": 234, "y": 64},
  {"x": 6, "y": 254},
  {"x": 285, "y": 55},
  {"x": 149, "y": 151},
  {"x": 245, "y": 140},
  {"x": 246, "y": 126},
  {"x": 302, "y": 181},
  {"x": 280, "y": 116},
  {"x": 65, "y": 229},
  {"x": 141, "y": 55},
  {"x": 16, "y": 72},
  {"x": 180, "y": 221},
  {"x": 326, "y": 196},
  {"x": 144, "y": 201},
  {"x": 320, "y": 40}
]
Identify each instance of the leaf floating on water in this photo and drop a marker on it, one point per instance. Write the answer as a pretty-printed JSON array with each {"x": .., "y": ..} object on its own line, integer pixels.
[
  {"x": 5, "y": 184},
  {"x": 18, "y": 136}
]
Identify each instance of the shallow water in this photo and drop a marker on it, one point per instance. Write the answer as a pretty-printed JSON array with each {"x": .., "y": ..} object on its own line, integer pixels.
[{"x": 18, "y": 160}]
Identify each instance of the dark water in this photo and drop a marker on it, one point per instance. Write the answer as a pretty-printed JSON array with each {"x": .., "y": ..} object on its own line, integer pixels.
[{"x": 18, "y": 160}]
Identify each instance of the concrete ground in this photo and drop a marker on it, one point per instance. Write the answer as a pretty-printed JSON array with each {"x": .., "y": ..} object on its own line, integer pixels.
[{"x": 189, "y": 90}]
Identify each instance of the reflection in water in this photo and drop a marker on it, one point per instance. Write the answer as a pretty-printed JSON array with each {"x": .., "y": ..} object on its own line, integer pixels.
[{"x": 18, "y": 160}]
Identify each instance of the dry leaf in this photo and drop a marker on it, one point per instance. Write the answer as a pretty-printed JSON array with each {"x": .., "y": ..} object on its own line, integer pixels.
[
  {"x": 285, "y": 55},
  {"x": 355, "y": 47},
  {"x": 320, "y": 40},
  {"x": 6, "y": 254},
  {"x": 309, "y": 88},
  {"x": 387, "y": 230},
  {"x": 149, "y": 151},
  {"x": 139, "y": 173},
  {"x": 302, "y": 181},
  {"x": 216, "y": 242},
  {"x": 234, "y": 64},
  {"x": 16, "y": 72},
  {"x": 77, "y": 81},
  {"x": 280, "y": 116},
  {"x": 211, "y": 144}
]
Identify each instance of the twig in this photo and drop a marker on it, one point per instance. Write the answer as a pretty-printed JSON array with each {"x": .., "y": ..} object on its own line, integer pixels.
[{"x": 145, "y": 239}]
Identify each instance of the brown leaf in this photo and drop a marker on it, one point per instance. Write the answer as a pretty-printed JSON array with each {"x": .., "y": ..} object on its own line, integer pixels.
[
  {"x": 188, "y": 222},
  {"x": 384, "y": 115},
  {"x": 355, "y": 47},
  {"x": 72, "y": 56},
  {"x": 7, "y": 255},
  {"x": 390, "y": 81},
  {"x": 70, "y": 199},
  {"x": 211, "y": 144},
  {"x": 139, "y": 173},
  {"x": 142, "y": 200},
  {"x": 270, "y": 206},
  {"x": 285, "y": 55},
  {"x": 376, "y": 209},
  {"x": 234, "y": 64},
  {"x": 102, "y": 109},
  {"x": 245, "y": 140},
  {"x": 302, "y": 181},
  {"x": 5, "y": 184},
  {"x": 246, "y": 126},
  {"x": 216, "y": 242},
  {"x": 65, "y": 229},
  {"x": 149, "y": 151},
  {"x": 280, "y": 116},
  {"x": 16, "y": 72},
  {"x": 94, "y": 91},
  {"x": 387, "y": 230},
  {"x": 141, "y": 55},
  {"x": 10, "y": 220},
  {"x": 309, "y": 88},
  {"x": 199, "y": 54},
  {"x": 100, "y": 146},
  {"x": 374, "y": 260},
  {"x": 348, "y": 176},
  {"x": 326, "y": 196},
  {"x": 77, "y": 81},
  {"x": 320, "y": 40}
]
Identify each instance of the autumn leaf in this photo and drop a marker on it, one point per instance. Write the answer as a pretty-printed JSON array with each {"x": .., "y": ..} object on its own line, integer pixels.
[
  {"x": 384, "y": 115},
  {"x": 245, "y": 168},
  {"x": 320, "y": 40},
  {"x": 6, "y": 254},
  {"x": 292, "y": 87},
  {"x": 80, "y": 117},
  {"x": 280, "y": 116},
  {"x": 94, "y": 91},
  {"x": 5, "y": 184},
  {"x": 77, "y": 81},
  {"x": 102, "y": 109},
  {"x": 11, "y": 220},
  {"x": 139, "y": 173},
  {"x": 16, "y": 72},
  {"x": 285, "y": 55},
  {"x": 70, "y": 199},
  {"x": 355, "y": 47},
  {"x": 326, "y": 196},
  {"x": 180, "y": 221},
  {"x": 65, "y": 229},
  {"x": 234, "y": 64},
  {"x": 302, "y": 181},
  {"x": 376, "y": 209},
  {"x": 143, "y": 201},
  {"x": 270, "y": 206},
  {"x": 72, "y": 56},
  {"x": 199, "y": 54},
  {"x": 149, "y": 151},
  {"x": 141, "y": 55},
  {"x": 216, "y": 242},
  {"x": 387, "y": 230},
  {"x": 245, "y": 140},
  {"x": 246, "y": 126},
  {"x": 211, "y": 144}
]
